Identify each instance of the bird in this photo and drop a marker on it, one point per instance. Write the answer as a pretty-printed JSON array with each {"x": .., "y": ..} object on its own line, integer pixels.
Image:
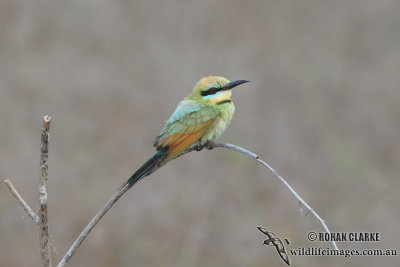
[{"x": 200, "y": 117}]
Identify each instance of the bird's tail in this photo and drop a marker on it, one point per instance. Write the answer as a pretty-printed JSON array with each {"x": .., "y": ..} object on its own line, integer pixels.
[{"x": 149, "y": 167}]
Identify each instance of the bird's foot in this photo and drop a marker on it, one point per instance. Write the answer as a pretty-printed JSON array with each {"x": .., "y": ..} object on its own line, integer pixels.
[
  {"x": 198, "y": 147},
  {"x": 209, "y": 144}
]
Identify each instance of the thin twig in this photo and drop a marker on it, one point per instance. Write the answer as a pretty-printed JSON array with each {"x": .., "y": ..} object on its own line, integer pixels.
[
  {"x": 211, "y": 145},
  {"x": 43, "y": 226},
  {"x": 123, "y": 189},
  {"x": 92, "y": 224},
  {"x": 22, "y": 202}
]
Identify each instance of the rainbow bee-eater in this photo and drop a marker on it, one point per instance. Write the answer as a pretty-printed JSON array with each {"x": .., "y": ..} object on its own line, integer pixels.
[{"x": 200, "y": 117}]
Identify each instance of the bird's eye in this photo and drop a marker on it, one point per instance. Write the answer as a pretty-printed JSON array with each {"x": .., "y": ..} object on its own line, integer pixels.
[{"x": 210, "y": 91}]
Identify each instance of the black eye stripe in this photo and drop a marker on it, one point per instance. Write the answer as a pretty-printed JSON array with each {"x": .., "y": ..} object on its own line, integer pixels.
[{"x": 210, "y": 91}]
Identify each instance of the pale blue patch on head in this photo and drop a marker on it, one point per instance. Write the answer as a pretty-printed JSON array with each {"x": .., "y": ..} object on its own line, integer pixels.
[{"x": 219, "y": 93}]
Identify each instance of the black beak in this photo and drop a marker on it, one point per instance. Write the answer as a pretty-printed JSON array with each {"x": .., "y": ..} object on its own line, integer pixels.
[{"x": 230, "y": 85}]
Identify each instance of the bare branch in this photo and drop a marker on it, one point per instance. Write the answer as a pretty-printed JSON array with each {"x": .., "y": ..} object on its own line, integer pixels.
[
  {"x": 197, "y": 147},
  {"x": 22, "y": 202},
  {"x": 43, "y": 221},
  {"x": 212, "y": 144},
  {"x": 92, "y": 224}
]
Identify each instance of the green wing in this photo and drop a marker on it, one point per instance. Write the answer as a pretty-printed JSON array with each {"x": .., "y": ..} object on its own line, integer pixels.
[{"x": 190, "y": 117}]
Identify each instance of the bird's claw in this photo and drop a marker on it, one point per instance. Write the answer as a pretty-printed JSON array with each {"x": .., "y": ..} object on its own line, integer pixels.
[
  {"x": 198, "y": 147},
  {"x": 210, "y": 145}
]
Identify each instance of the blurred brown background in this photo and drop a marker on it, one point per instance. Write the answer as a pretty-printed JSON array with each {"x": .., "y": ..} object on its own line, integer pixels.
[{"x": 322, "y": 108}]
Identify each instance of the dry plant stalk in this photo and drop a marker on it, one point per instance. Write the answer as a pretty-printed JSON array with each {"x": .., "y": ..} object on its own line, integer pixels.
[
  {"x": 43, "y": 220},
  {"x": 22, "y": 202},
  {"x": 208, "y": 145}
]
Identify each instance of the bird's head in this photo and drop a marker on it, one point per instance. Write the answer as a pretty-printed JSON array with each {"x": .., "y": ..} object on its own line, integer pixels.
[{"x": 213, "y": 89}]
